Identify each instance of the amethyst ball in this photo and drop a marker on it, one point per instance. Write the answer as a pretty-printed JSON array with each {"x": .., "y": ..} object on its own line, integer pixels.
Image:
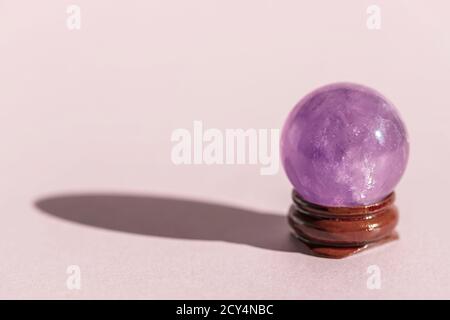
[{"x": 344, "y": 145}]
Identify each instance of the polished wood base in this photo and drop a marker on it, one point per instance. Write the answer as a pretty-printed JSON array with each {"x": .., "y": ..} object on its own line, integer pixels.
[{"x": 337, "y": 232}]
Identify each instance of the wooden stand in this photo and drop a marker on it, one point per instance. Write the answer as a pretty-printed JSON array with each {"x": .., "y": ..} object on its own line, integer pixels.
[{"x": 337, "y": 232}]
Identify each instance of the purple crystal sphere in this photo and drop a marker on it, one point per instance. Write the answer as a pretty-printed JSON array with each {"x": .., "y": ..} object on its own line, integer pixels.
[{"x": 344, "y": 145}]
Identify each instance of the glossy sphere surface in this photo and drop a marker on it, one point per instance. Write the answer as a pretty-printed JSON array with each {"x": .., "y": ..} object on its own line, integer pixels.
[{"x": 344, "y": 145}]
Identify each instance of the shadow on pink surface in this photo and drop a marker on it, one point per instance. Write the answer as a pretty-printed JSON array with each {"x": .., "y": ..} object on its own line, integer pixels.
[{"x": 174, "y": 218}]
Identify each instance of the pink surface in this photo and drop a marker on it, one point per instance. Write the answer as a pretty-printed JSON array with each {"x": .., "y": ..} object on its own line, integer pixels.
[{"x": 91, "y": 112}]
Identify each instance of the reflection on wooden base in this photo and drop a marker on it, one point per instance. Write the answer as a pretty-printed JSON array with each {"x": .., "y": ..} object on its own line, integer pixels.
[{"x": 337, "y": 232}]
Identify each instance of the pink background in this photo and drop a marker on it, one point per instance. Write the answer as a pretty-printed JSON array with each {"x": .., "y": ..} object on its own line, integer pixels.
[{"x": 92, "y": 111}]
